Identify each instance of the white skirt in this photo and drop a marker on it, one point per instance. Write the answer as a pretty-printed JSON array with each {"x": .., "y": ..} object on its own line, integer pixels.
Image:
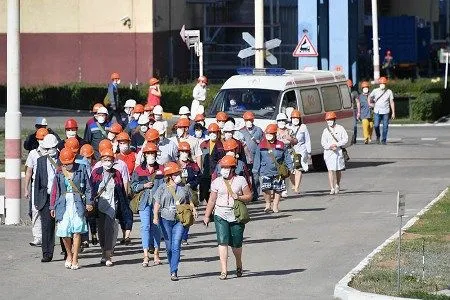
[{"x": 334, "y": 160}]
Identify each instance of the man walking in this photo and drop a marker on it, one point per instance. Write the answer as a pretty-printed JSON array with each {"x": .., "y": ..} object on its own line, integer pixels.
[{"x": 383, "y": 100}]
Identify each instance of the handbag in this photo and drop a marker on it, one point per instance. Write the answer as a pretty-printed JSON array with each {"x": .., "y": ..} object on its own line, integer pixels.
[
  {"x": 185, "y": 212},
  {"x": 239, "y": 207},
  {"x": 283, "y": 171},
  {"x": 344, "y": 151},
  {"x": 136, "y": 197}
]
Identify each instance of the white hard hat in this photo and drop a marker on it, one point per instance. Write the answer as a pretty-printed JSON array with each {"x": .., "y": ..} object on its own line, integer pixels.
[
  {"x": 50, "y": 141},
  {"x": 158, "y": 110},
  {"x": 41, "y": 121},
  {"x": 160, "y": 127},
  {"x": 102, "y": 110},
  {"x": 281, "y": 116},
  {"x": 130, "y": 103},
  {"x": 143, "y": 119},
  {"x": 184, "y": 110},
  {"x": 239, "y": 125},
  {"x": 200, "y": 110},
  {"x": 229, "y": 126}
]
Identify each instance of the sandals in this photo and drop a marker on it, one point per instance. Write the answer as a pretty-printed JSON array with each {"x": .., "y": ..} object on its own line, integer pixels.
[
  {"x": 223, "y": 276},
  {"x": 75, "y": 267},
  {"x": 67, "y": 264},
  {"x": 127, "y": 241},
  {"x": 157, "y": 262},
  {"x": 239, "y": 271},
  {"x": 267, "y": 210},
  {"x": 145, "y": 262}
]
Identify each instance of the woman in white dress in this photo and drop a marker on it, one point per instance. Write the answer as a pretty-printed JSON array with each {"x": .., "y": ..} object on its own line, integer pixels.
[
  {"x": 334, "y": 138},
  {"x": 302, "y": 148}
]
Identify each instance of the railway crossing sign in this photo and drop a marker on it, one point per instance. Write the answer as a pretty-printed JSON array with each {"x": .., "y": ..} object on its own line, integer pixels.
[
  {"x": 250, "y": 51},
  {"x": 305, "y": 48}
]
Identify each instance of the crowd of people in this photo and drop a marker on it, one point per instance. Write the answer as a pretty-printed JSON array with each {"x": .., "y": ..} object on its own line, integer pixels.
[{"x": 83, "y": 188}]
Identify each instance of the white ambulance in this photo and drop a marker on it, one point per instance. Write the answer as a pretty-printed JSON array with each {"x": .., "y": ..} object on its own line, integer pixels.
[{"x": 266, "y": 92}]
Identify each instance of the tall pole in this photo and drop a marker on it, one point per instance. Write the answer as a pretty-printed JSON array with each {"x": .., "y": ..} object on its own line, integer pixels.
[
  {"x": 376, "y": 51},
  {"x": 259, "y": 34},
  {"x": 447, "y": 35},
  {"x": 12, "y": 117}
]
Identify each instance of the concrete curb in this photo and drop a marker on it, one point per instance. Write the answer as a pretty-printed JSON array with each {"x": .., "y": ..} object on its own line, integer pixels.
[
  {"x": 420, "y": 125},
  {"x": 344, "y": 292}
]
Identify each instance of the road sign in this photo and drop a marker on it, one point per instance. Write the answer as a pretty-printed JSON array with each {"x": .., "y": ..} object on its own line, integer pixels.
[
  {"x": 305, "y": 48},
  {"x": 250, "y": 51},
  {"x": 400, "y": 204}
]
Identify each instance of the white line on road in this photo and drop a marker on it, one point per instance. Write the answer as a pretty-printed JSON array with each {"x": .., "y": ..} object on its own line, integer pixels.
[{"x": 428, "y": 139}]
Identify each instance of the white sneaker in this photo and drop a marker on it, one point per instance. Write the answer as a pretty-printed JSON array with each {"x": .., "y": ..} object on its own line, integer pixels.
[
  {"x": 109, "y": 263},
  {"x": 332, "y": 192},
  {"x": 336, "y": 189},
  {"x": 284, "y": 194}
]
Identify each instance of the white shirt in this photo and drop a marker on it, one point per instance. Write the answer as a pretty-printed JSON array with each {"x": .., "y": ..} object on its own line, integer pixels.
[
  {"x": 51, "y": 171},
  {"x": 334, "y": 159},
  {"x": 31, "y": 161},
  {"x": 199, "y": 92},
  {"x": 303, "y": 146},
  {"x": 382, "y": 104}
]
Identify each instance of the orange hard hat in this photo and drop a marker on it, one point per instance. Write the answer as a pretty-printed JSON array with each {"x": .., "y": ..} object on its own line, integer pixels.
[
  {"x": 116, "y": 128},
  {"x": 139, "y": 108},
  {"x": 148, "y": 107},
  {"x": 296, "y": 114},
  {"x": 149, "y": 147},
  {"x": 382, "y": 80},
  {"x": 115, "y": 76},
  {"x": 230, "y": 144},
  {"x": 72, "y": 144},
  {"x": 203, "y": 79},
  {"x": 151, "y": 135},
  {"x": 123, "y": 136},
  {"x": 330, "y": 115},
  {"x": 183, "y": 122},
  {"x": 87, "y": 150},
  {"x": 66, "y": 156},
  {"x": 41, "y": 133},
  {"x": 96, "y": 107},
  {"x": 248, "y": 115},
  {"x": 271, "y": 128},
  {"x": 107, "y": 152},
  {"x": 153, "y": 81},
  {"x": 171, "y": 168},
  {"x": 364, "y": 84},
  {"x": 71, "y": 123},
  {"x": 228, "y": 161},
  {"x": 213, "y": 127},
  {"x": 104, "y": 144},
  {"x": 184, "y": 146},
  {"x": 221, "y": 116},
  {"x": 199, "y": 118},
  {"x": 349, "y": 83}
]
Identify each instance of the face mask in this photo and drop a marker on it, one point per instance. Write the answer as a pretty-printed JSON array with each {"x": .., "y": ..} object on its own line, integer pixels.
[
  {"x": 228, "y": 135},
  {"x": 248, "y": 124},
  {"x": 177, "y": 179},
  {"x": 151, "y": 158},
  {"x": 382, "y": 86},
  {"x": 128, "y": 110},
  {"x": 269, "y": 136},
  {"x": 281, "y": 124},
  {"x": 68, "y": 167},
  {"x": 144, "y": 128},
  {"x": 365, "y": 90},
  {"x": 136, "y": 116},
  {"x": 52, "y": 152},
  {"x": 330, "y": 123},
  {"x": 147, "y": 114},
  {"x": 295, "y": 121},
  {"x": 184, "y": 156},
  {"x": 107, "y": 165},
  {"x": 221, "y": 124},
  {"x": 198, "y": 134},
  {"x": 124, "y": 147},
  {"x": 158, "y": 117},
  {"x": 213, "y": 136},
  {"x": 111, "y": 136},
  {"x": 180, "y": 132},
  {"x": 71, "y": 133},
  {"x": 232, "y": 102},
  {"x": 225, "y": 173},
  {"x": 231, "y": 153},
  {"x": 118, "y": 81},
  {"x": 40, "y": 142},
  {"x": 100, "y": 119}
]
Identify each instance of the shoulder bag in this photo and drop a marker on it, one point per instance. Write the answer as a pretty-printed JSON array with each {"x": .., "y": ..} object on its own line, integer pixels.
[
  {"x": 283, "y": 171},
  {"x": 344, "y": 151},
  {"x": 185, "y": 213},
  {"x": 239, "y": 207}
]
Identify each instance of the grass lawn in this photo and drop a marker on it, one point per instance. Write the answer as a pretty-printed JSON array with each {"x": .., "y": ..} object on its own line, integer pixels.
[{"x": 432, "y": 230}]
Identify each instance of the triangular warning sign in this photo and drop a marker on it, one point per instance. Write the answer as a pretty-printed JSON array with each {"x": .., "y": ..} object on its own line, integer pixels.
[{"x": 305, "y": 48}]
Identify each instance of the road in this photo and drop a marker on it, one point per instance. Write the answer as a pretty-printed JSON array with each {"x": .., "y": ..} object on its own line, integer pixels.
[{"x": 300, "y": 253}]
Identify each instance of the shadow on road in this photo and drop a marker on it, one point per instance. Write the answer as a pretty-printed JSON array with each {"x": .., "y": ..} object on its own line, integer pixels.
[
  {"x": 321, "y": 193},
  {"x": 247, "y": 273},
  {"x": 364, "y": 164}
]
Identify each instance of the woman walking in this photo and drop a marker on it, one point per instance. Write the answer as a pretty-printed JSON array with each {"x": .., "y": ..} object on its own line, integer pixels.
[
  {"x": 334, "y": 138},
  {"x": 145, "y": 181},
  {"x": 71, "y": 196},
  {"x": 154, "y": 92},
  {"x": 225, "y": 190},
  {"x": 167, "y": 197},
  {"x": 302, "y": 149},
  {"x": 366, "y": 113}
]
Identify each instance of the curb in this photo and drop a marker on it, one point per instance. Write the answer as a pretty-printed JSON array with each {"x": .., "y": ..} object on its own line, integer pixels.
[
  {"x": 420, "y": 125},
  {"x": 344, "y": 292}
]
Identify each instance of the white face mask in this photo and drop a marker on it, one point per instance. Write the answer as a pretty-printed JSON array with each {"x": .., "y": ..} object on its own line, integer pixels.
[
  {"x": 213, "y": 136},
  {"x": 177, "y": 179},
  {"x": 295, "y": 121},
  {"x": 52, "y": 152},
  {"x": 184, "y": 156},
  {"x": 150, "y": 158},
  {"x": 281, "y": 124},
  {"x": 40, "y": 142},
  {"x": 71, "y": 133},
  {"x": 180, "y": 132},
  {"x": 382, "y": 86},
  {"x": 365, "y": 90},
  {"x": 147, "y": 114},
  {"x": 231, "y": 153},
  {"x": 225, "y": 173},
  {"x": 144, "y": 128},
  {"x": 124, "y": 147},
  {"x": 269, "y": 136},
  {"x": 248, "y": 124},
  {"x": 100, "y": 119},
  {"x": 198, "y": 134},
  {"x": 107, "y": 165},
  {"x": 157, "y": 117},
  {"x": 111, "y": 136},
  {"x": 128, "y": 110},
  {"x": 118, "y": 81},
  {"x": 221, "y": 124},
  {"x": 228, "y": 135},
  {"x": 330, "y": 123},
  {"x": 136, "y": 116}
]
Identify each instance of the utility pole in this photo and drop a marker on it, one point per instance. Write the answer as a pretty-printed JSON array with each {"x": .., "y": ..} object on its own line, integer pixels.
[
  {"x": 259, "y": 34},
  {"x": 376, "y": 51},
  {"x": 12, "y": 116}
]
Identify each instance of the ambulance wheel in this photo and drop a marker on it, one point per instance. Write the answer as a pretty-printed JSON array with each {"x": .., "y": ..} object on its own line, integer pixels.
[{"x": 318, "y": 162}]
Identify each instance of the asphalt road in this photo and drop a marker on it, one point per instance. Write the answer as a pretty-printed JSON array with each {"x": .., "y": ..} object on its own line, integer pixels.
[{"x": 300, "y": 253}]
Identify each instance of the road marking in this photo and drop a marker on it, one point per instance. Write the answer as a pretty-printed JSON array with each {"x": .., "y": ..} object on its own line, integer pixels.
[
  {"x": 394, "y": 139},
  {"x": 428, "y": 139}
]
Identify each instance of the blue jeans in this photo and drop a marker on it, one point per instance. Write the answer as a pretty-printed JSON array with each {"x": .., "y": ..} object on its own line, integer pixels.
[
  {"x": 149, "y": 231},
  {"x": 385, "y": 119},
  {"x": 185, "y": 234},
  {"x": 172, "y": 232}
]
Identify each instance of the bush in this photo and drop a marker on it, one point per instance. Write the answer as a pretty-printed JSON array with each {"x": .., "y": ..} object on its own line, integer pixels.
[
  {"x": 82, "y": 96},
  {"x": 427, "y": 107}
]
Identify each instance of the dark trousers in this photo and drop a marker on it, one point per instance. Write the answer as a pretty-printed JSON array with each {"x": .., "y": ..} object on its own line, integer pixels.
[
  {"x": 205, "y": 186},
  {"x": 255, "y": 183},
  {"x": 48, "y": 231}
]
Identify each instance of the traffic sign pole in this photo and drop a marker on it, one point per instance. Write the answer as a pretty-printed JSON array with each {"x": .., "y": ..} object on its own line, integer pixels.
[
  {"x": 376, "y": 51},
  {"x": 259, "y": 34}
]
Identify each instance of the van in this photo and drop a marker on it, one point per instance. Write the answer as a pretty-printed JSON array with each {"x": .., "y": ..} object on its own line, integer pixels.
[{"x": 266, "y": 92}]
